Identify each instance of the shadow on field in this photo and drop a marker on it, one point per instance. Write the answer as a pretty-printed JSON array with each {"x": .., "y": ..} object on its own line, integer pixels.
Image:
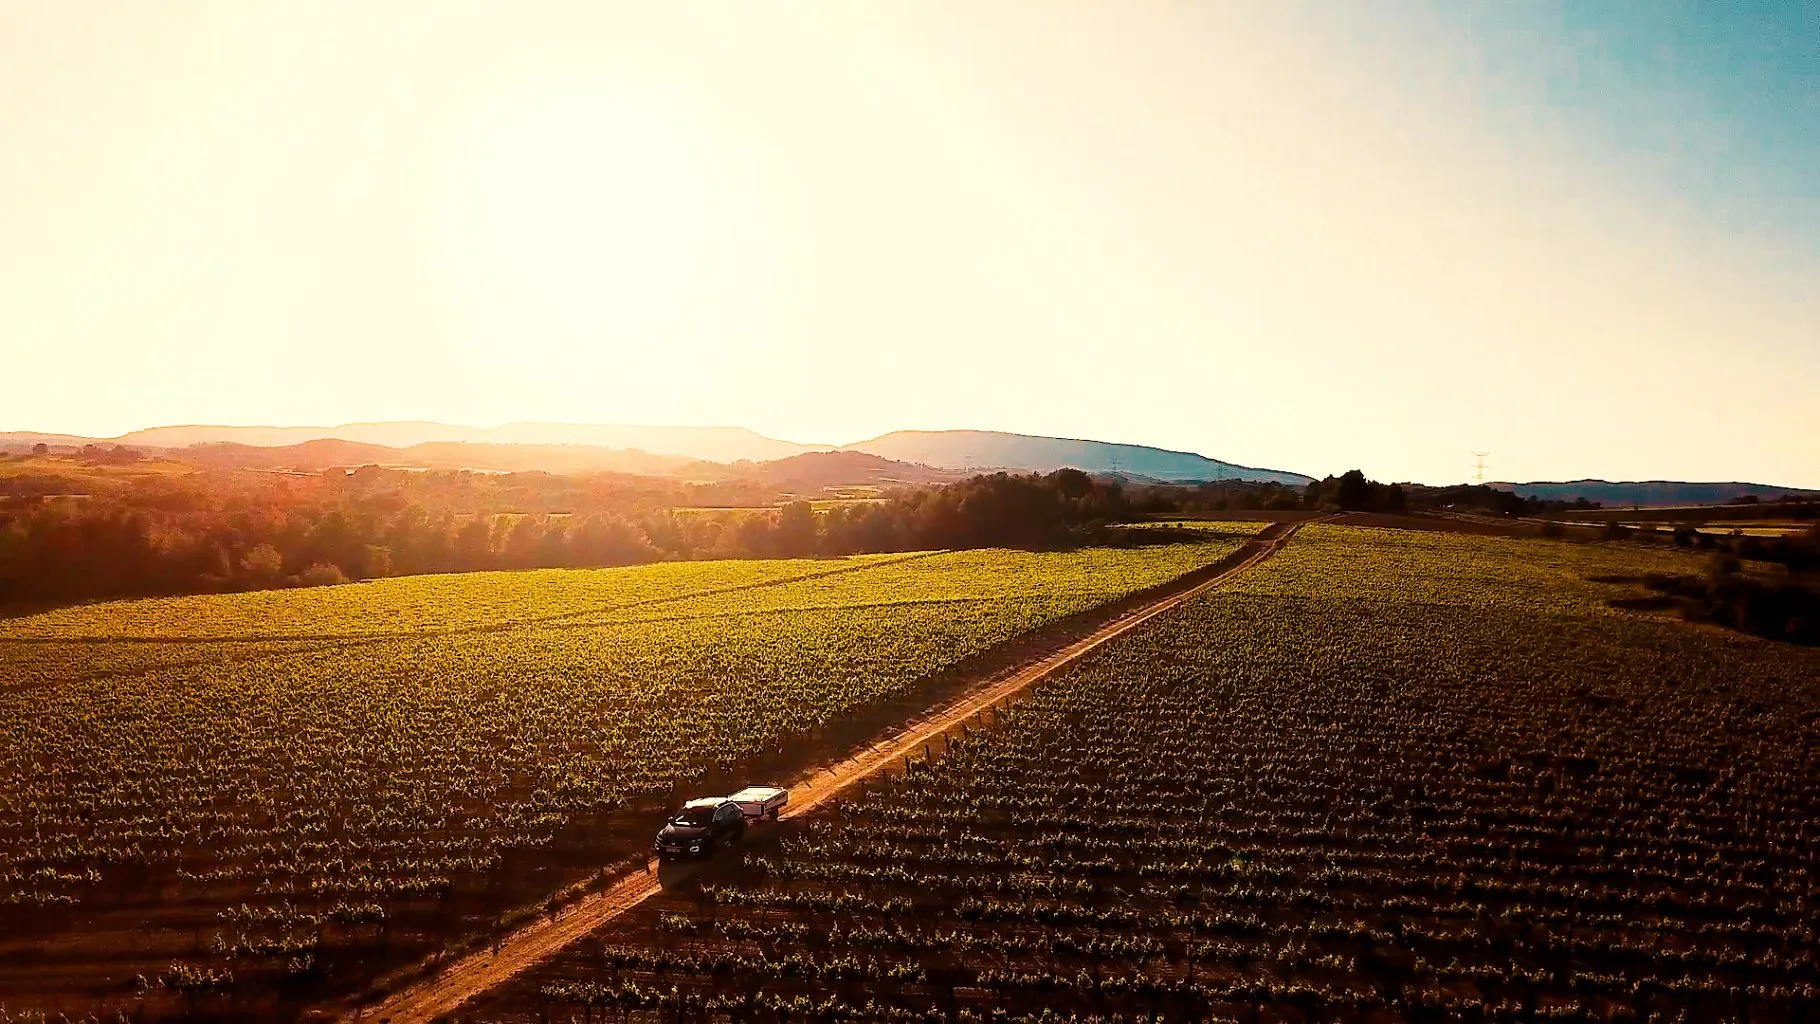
[
  {"x": 726, "y": 864},
  {"x": 26, "y": 609},
  {"x": 681, "y": 876}
]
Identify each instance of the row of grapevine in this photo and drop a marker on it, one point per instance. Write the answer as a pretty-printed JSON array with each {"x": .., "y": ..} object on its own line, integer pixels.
[
  {"x": 1381, "y": 776},
  {"x": 297, "y": 811}
]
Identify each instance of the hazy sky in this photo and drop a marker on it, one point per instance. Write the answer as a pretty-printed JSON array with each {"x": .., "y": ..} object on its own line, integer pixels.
[{"x": 1583, "y": 236}]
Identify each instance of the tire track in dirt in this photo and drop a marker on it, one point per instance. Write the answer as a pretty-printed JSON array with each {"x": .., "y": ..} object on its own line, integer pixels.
[{"x": 477, "y": 973}]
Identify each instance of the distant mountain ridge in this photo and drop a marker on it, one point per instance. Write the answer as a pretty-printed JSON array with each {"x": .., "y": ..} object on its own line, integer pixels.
[
  {"x": 1648, "y": 493},
  {"x": 24, "y": 439},
  {"x": 984, "y": 450},
  {"x": 713, "y": 444},
  {"x": 843, "y": 468},
  {"x": 919, "y": 456},
  {"x": 961, "y": 451},
  {"x": 334, "y": 453}
]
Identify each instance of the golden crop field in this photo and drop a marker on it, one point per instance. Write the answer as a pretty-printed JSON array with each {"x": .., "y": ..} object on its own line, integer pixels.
[
  {"x": 302, "y": 787},
  {"x": 1380, "y": 776}
]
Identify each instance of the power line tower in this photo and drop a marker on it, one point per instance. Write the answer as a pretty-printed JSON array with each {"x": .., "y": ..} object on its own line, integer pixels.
[{"x": 1479, "y": 468}]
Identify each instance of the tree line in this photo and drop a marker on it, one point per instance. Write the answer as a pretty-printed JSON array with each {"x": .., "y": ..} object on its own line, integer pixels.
[
  {"x": 1351, "y": 491},
  {"x": 66, "y": 538},
  {"x": 203, "y": 533}
]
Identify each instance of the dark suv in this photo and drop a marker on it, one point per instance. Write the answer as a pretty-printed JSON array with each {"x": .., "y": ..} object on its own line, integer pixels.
[{"x": 700, "y": 827}]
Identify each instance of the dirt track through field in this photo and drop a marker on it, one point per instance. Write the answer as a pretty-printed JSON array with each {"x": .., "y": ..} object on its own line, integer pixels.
[{"x": 477, "y": 973}]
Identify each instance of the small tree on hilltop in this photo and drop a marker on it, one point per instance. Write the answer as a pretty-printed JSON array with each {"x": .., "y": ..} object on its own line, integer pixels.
[
  {"x": 1072, "y": 483},
  {"x": 1354, "y": 492}
]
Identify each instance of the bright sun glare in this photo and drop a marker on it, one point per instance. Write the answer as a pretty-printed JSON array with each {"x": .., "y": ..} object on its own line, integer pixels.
[{"x": 585, "y": 218}]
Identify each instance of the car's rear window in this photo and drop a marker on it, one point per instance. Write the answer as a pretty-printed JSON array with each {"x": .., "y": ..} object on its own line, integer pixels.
[{"x": 695, "y": 816}]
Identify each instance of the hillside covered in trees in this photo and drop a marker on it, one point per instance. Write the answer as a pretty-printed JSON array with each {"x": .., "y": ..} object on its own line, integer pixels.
[
  {"x": 131, "y": 531},
  {"x": 111, "y": 524}
]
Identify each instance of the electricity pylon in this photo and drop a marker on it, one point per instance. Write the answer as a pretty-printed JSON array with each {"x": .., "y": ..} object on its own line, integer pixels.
[{"x": 1479, "y": 469}]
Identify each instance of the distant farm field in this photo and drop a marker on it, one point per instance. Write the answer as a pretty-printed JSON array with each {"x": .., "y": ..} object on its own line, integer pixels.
[
  {"x": 1383, "y": 775},
  {"x": 300, "y": 788},
  {"x": 1754, "y": 529}
]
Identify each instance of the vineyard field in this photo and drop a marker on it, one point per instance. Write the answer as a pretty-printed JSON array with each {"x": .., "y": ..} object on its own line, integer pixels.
[
  {"x": 418, "y": 604},
  {"x": 285, "y": 794},
  {"x": 1380, "y": 776}
]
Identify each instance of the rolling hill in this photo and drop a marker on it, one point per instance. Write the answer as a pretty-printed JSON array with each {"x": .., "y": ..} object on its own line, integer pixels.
[
  {"x": 907, "y": 456},
  {"x": 961, "y": 451},
  {"x": 812, "y": 470},
  {"x": 983, "y": 450},
  {"x": 23, "y": 440},
  {"x": 710, "y": 444},
  {"x": 447, "y": 455}
]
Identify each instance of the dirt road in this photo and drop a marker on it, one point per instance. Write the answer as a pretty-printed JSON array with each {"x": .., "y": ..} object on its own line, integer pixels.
[{"x": 476, "y": 973}]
